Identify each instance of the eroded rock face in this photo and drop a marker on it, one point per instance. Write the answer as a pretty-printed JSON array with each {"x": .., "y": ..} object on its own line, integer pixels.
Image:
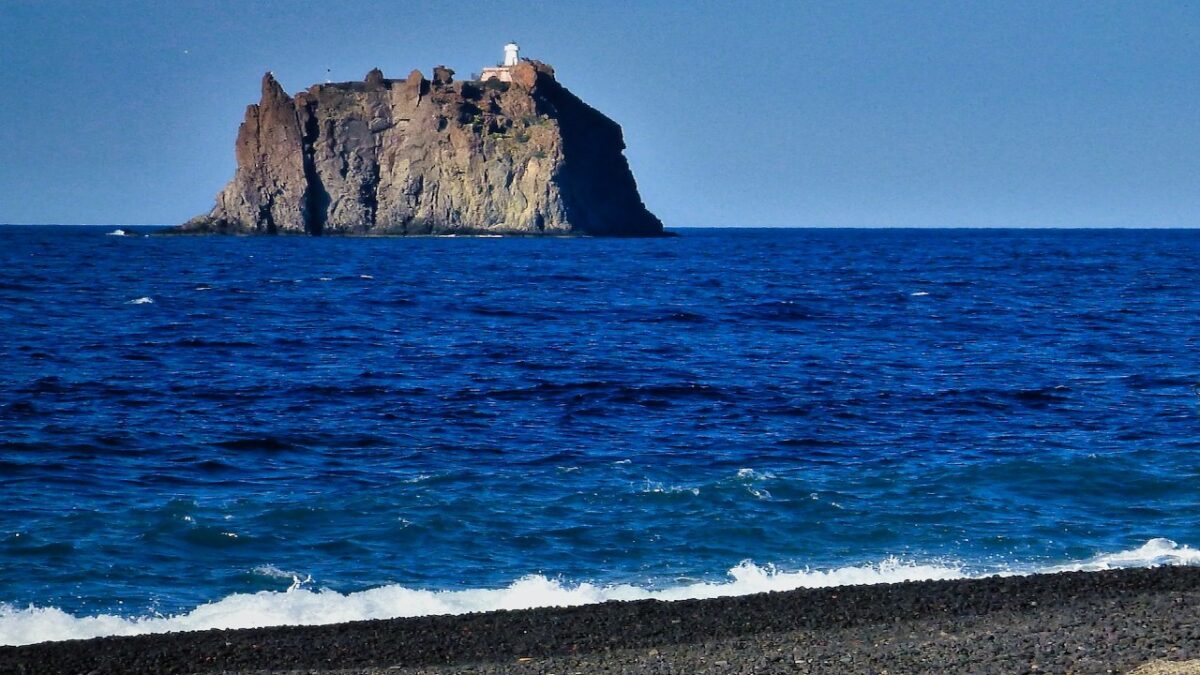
[{"x": 416, "y": 156}]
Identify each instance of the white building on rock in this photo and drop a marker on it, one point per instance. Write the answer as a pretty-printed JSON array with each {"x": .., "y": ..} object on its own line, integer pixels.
[{"x": 503, "y": 72}]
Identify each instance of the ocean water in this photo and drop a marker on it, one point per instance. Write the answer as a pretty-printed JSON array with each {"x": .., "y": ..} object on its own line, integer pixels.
[{"x": 222, "y": 432}]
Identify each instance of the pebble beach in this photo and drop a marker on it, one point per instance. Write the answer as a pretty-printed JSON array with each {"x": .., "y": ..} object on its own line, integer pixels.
[{"x": 1078, "y": 622}]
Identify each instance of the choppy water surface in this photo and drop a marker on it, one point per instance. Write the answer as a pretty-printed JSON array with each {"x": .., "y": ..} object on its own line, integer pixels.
[{"x": 185, "y": 421}]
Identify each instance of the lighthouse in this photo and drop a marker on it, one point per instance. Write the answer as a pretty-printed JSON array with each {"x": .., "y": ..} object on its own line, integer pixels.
[{"x": 503, "y": 72}]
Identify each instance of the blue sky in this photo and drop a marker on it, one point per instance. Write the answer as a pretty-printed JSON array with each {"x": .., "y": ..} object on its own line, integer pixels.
[{"x": 824, "y": 114}]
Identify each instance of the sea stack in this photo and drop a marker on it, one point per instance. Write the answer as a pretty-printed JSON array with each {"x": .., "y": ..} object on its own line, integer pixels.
[{"x": 513, "y": 152}]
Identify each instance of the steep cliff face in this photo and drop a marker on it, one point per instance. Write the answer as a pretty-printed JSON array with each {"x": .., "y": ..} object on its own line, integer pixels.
[{"x": 416, "y": 156}]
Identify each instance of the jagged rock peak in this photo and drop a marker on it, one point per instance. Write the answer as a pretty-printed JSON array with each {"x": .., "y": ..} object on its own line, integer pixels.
[
  {"x": 442, "y": 75},
  {"x": 419, "y": 157},
  {"x": 272, "y": 90},
  {"x": 527, "y": 72}
]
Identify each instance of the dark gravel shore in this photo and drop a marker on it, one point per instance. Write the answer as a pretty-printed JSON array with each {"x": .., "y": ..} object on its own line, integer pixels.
[{"x": 1093, "y": 622}]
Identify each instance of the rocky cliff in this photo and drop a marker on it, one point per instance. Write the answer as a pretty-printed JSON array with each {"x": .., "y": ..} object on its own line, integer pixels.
[{"x": 440, "y": 156}]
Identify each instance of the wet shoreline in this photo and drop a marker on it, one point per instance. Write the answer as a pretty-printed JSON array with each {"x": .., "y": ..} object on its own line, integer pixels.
[{"x": 1109, "y": 621}]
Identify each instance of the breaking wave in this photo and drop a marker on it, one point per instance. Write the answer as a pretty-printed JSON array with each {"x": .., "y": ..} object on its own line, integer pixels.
[{"x": 300, "y": 606}]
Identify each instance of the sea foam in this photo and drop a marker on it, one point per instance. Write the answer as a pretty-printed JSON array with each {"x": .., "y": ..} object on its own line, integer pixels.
[
  {"x": 300, "y": 606},
  {"x": 1153, "y": 553}
]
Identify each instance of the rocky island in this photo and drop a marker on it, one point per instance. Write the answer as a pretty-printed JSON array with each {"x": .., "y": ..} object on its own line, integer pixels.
[{"x": 513, "y": 152}]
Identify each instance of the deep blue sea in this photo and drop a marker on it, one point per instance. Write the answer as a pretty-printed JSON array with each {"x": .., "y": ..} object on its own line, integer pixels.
[{"x": 218, "y": 431}]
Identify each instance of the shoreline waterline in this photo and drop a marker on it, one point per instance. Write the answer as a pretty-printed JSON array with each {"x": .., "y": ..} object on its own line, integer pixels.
[
  {"x": 1145, "y": 613},
  {"x": 304, "y": 604}
]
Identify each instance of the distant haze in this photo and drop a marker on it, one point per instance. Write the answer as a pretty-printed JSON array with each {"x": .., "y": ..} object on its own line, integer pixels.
[{"x": 869, "y": 114}]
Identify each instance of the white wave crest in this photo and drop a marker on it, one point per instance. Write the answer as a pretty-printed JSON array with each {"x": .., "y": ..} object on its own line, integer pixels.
[
  {"x": 300, "y": 606},
  {"x": 276, "y": 573},
  {"x": 1154, "y": 553},
  {"x": 117, "y": 233},
  {"x": 141, "y": 301},
  {"x": 655, "y": 487}
]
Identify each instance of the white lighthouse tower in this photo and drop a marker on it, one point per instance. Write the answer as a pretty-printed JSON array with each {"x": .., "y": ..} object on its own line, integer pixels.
[{"x": 503, "y": 72}]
